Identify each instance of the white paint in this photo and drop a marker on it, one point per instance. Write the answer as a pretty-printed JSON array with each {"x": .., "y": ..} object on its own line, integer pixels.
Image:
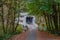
[{"x": 24, "y": 19}]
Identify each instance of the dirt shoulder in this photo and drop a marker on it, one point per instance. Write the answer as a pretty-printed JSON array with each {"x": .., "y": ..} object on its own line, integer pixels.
[
  {"x": 41, "y": 35},
  {"x": 21, "y": 36}
]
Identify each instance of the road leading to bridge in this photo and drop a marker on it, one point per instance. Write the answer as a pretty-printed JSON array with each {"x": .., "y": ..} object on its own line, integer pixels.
[{"x": 33, "y": 34}]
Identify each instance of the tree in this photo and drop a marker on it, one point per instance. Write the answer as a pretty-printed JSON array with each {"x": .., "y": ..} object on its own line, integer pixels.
[
  {"x": 48, "y": 8},
  {"x": 8, "y": 14}
]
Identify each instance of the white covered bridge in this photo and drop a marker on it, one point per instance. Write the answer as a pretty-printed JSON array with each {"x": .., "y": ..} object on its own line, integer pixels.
[{"x": 26, "y": 20}]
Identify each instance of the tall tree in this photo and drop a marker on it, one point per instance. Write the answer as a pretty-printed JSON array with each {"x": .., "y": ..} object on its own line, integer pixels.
[{"x": 48, "y": 8}]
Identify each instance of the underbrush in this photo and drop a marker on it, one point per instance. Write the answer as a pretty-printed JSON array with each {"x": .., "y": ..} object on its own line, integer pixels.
[{"x": 8, "y": 35}]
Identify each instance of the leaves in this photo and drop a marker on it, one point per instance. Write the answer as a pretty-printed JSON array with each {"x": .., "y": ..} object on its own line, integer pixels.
[
  {"x": 57, "y": 1},
  {"x": 36, "y": 6}
]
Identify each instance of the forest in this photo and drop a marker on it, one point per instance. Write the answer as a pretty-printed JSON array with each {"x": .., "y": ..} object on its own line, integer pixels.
[{"x": 11, "y": 9}]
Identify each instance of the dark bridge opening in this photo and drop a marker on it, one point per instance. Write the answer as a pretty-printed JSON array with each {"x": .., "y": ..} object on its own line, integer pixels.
[{"x": 29, "y": 20}]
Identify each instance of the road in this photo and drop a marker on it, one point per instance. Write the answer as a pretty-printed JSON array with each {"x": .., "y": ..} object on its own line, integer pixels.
[{"x": 33, "y": 34}]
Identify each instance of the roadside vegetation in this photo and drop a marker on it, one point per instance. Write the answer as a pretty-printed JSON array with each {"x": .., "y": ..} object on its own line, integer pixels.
[
  {"x": 50, "y": 10},
  {"x": 9, "y": 11}
]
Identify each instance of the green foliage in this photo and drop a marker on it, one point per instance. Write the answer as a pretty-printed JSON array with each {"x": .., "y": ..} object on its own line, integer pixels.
[
  {"x": 19, "y": 29},
  {"x": 13, "y": 8},
  {"x": 48, "y": 8},
  {"x": 36, "y": 6},
  {"x": 5, "y": 36},
  {"x": 57, "y": 1}
]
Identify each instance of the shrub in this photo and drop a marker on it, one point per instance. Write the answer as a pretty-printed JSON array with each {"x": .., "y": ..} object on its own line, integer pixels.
[{"x": 19, "y": 29}]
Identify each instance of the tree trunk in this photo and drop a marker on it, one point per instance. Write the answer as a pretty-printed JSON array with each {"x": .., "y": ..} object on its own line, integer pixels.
[
  {"x": 3, "y": 20},
  {"x": 55, "y": 15}
]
